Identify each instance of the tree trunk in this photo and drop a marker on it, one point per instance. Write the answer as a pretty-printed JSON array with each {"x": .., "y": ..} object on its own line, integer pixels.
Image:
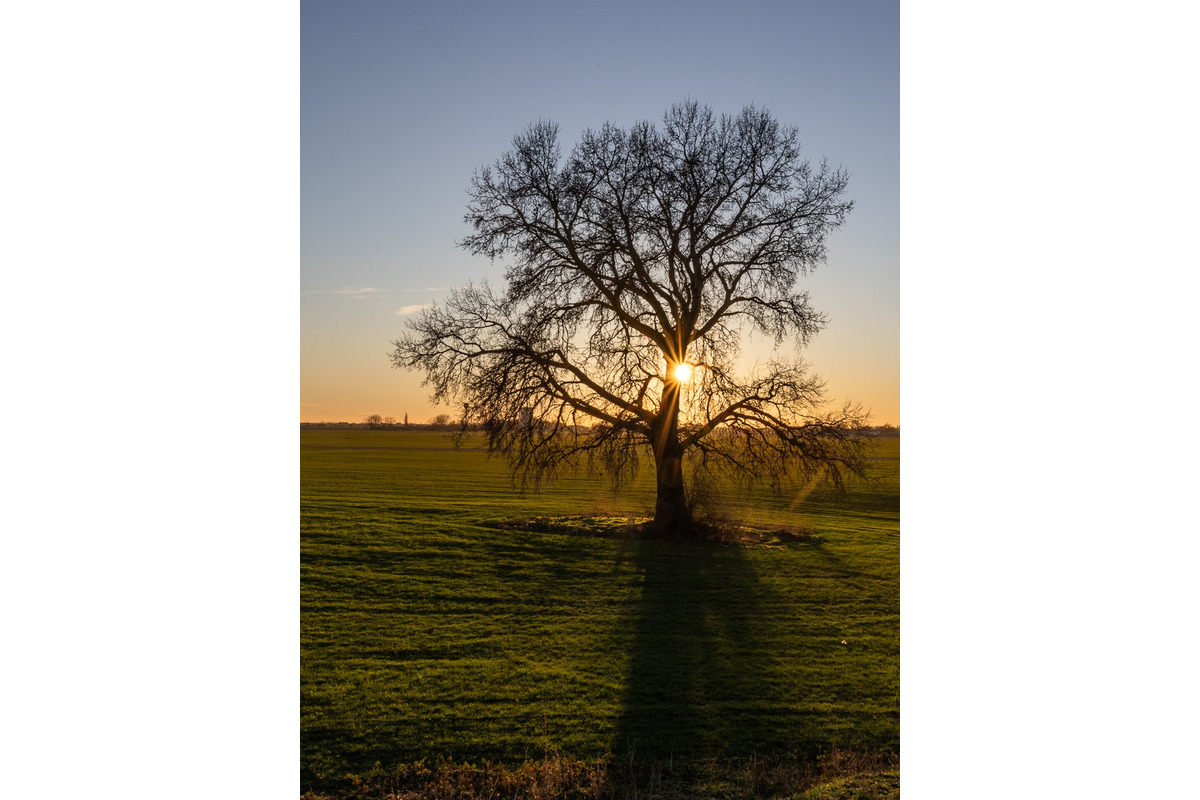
[{"x": 672, "y": 517}]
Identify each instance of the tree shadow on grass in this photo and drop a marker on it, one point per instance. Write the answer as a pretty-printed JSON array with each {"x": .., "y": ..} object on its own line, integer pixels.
[{"x": 702, "y": 678}]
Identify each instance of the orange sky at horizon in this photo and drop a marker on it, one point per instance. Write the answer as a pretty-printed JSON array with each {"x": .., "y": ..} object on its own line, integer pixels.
[{"x": 342, "y": 381}]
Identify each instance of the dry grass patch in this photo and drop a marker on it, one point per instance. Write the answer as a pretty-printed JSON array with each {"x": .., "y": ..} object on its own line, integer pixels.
[{"x": 834, "y": 776}]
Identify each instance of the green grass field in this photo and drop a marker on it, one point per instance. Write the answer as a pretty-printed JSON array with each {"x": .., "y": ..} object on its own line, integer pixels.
[{"x": 428, "y": 633}]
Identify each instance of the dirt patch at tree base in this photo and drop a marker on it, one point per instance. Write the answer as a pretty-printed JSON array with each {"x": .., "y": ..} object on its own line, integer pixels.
[{"x": 632, "y": 528}]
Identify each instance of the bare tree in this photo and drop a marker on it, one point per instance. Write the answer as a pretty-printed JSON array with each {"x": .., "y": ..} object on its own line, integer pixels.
[
  {"x": 374, "y": 421},
  {"x": 440, "y": 421},
  {"x": 636, "y": 267}
]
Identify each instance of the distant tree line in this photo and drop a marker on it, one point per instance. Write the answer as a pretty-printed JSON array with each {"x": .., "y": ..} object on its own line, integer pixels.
[
  {"x": 440, "y": 422},
  {"x": 881, "y": 430},
  {"x": 444, "y": 422}
]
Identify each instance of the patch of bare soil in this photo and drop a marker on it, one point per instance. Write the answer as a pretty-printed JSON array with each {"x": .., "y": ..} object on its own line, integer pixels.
[{"x": 625, "y": 528}]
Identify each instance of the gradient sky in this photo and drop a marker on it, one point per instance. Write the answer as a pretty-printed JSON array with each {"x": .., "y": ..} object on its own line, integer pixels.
[{"x": 401, "y": 102}]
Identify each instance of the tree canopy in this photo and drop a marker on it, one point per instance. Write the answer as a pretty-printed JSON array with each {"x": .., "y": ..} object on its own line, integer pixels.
[{"x": 636, "y": 266}]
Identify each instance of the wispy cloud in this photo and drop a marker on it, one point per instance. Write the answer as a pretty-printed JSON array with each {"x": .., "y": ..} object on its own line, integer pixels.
[
  {"x": 364, "y": 291},
  {"x": 412, "y": 309},
  {"x": 357, "y": 292}
]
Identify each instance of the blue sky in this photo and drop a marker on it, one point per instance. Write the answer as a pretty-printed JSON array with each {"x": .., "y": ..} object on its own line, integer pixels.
[{"x": 401, "y": 102}]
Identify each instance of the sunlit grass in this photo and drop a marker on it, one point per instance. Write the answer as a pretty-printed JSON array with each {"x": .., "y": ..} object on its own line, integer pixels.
[{"x": 428, "y": 631}]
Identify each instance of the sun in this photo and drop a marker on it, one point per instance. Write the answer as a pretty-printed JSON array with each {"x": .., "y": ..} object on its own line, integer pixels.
[{"x": 682, "y": 373}]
